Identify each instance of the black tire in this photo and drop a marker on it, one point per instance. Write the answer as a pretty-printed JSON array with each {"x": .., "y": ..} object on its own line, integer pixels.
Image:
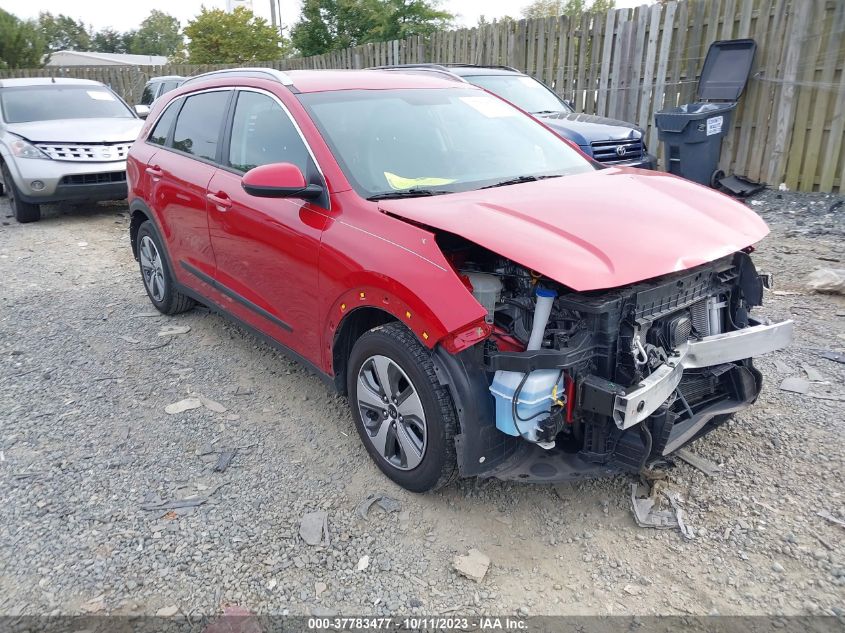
[
  {"x": 164, "y": 296},
  {"x": 438, "y": 466},
  {"x": 24, "y": 212}
]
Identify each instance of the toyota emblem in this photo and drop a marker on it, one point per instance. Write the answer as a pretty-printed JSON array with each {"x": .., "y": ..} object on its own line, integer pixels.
[{"x": 621, "y": 150}]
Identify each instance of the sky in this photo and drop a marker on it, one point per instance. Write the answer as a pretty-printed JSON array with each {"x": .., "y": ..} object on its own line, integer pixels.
[{"x": 124, "y": 16}]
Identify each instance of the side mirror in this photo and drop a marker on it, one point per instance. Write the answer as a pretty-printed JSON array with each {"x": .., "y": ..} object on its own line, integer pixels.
[
  {"x": 142, "y": 111},
  {"x": 279, "y": 180}
]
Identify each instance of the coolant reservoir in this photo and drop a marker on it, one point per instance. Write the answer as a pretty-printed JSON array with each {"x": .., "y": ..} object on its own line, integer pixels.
[{"x": 487, "y": 289}]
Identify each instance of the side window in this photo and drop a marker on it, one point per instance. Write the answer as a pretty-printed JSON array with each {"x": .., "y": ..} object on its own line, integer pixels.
[
  {"x": 199, "y": 122},
  {"x": 262, "y": 134},
  {"x": 147, "y": 95},
  {"x": 167, "y": 86},
  {"x": 164, "y": 123}
]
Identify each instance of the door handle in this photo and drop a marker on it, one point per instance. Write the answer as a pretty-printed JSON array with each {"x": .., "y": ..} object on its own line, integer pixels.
[
  {"x": 219, "y": 200},
  {"x": 155, "y": 171}
]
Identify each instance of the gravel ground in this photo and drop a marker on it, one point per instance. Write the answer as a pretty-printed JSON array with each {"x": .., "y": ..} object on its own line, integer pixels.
[{"x": 85, "y": 445}]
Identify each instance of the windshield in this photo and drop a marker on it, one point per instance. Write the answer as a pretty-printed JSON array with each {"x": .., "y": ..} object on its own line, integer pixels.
[
  {"x": 435, "y": 140},
  {"x": 49, "y": 103},
  {"x": 524, "y": 92}
]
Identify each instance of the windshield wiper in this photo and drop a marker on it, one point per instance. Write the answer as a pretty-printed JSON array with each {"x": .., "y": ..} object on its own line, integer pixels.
[
  {"x": 520, "y": 179},
  {"x": 407, "y": 193},
  {"x": 547, "y": 112}
]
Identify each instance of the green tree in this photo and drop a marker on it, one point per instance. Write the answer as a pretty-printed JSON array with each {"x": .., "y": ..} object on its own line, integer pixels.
[
  {"x": 327, "y": 25},
  {"x": 551, "y": 8},
  {"x": 218, "y": 37},
  {"x": 602, "y": 6},
  {"x": 160, "y": 34},
  {"x": 108, "y": 41},
  {"x": 405, "y": 18},
  {"x": 62, "y": 32},
  {"x": 21, "y": 42}
]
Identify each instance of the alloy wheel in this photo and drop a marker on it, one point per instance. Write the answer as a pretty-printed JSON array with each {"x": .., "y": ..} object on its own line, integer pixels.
[
  {"x": 392, "y": 412},
  {"x": 152, "y": 268}
]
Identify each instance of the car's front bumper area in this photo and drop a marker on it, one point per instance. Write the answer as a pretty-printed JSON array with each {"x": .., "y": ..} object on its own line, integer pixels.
[
  {"x": 44, "y": 181},
  {"x": 635, "y": 405},
  {"x": 667, "y": 421},
  {"x": 648, "y": 161}
]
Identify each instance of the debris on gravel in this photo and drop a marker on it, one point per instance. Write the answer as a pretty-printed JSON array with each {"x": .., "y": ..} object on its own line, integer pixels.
[
  {"x": 473, "y": 565},
  {"x": 183, "y": 405},
  {"x": 388, "y": 504},
  {"x": 314, "y": 528}
]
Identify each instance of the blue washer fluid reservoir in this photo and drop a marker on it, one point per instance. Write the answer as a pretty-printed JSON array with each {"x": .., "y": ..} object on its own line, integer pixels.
[
  {"x": 534, "y": 400},
  {"x": 533, "y": 405}
]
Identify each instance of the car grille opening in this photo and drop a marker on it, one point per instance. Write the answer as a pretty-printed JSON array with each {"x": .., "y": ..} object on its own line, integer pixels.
[
  {"x": 622, "y": 151},
  {"x": 94, "y": 179},
  {"x": 94, "y": 152}
]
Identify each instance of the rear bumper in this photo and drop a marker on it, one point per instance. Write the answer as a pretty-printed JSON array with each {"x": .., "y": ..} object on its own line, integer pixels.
[{"x": 638, "y": 404}]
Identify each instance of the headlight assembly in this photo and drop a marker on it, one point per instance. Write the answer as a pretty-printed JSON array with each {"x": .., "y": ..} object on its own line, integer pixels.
[{"x": 22, "y": 149}]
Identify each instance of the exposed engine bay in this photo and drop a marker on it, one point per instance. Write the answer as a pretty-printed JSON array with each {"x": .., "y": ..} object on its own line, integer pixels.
[{"x": 614, "y": 377}]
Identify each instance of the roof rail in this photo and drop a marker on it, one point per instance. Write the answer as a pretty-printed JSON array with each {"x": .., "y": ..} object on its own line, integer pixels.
[
  {"x": 482, "y": 66},
  {"x": 267, "y": 73},
  {"x": 438, "y": 69}
]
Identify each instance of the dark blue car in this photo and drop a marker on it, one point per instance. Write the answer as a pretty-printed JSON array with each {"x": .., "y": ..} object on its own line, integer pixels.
[{"x": 608, "y": 141}]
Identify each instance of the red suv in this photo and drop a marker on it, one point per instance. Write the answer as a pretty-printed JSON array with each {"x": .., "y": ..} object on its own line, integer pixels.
[{"x": 493, "y": 302}]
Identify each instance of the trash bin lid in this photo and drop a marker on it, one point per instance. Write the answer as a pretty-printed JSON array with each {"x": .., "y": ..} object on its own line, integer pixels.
[{"x": 726, "y": 69}]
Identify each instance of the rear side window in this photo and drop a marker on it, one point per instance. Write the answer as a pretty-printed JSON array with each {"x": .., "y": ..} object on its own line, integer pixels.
[
  {"x": 147, "y": 95},
  {"x": 199, "y": 124},
  {"x": 167, "y": 86},
  {"x": 262, "y": 133},
  {"x": 162, "y": 128}
]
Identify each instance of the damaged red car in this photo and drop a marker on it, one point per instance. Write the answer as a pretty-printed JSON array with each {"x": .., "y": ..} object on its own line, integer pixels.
[{"x": 492, "y": 302}]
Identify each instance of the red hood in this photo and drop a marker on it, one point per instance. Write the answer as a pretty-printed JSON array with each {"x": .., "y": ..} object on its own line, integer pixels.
[{"x": 597, "y": 230}]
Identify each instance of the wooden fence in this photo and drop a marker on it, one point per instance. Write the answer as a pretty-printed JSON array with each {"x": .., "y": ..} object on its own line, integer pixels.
[{"x": 630, "y": 63}]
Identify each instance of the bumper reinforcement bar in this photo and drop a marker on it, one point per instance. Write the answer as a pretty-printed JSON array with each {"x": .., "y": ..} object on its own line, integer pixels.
[{"x": 638, "y": 403}]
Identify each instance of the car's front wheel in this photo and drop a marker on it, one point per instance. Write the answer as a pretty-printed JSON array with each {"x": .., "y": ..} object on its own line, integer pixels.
[
  {"x": 404, "y": 416},
  {"x": 23, "y": 211},
  {"x": 157, "y": 276}
]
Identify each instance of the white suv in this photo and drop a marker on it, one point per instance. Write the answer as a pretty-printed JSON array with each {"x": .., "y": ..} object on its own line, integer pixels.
[{"x": 62, "y": 139}]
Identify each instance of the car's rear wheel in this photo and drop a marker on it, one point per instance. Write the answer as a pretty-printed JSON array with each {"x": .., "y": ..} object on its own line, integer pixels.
[
  {"x": 23, "y": 211},
  {"x": 404, "y": 416},
  {"x": 157, "y": 276}
]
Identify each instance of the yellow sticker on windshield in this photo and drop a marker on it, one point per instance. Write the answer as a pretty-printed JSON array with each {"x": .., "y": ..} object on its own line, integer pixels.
[{"x": 399, "y": 182}]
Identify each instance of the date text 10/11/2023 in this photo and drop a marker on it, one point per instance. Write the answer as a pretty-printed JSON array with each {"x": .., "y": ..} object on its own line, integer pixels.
[{"x": 417, "y": 623}]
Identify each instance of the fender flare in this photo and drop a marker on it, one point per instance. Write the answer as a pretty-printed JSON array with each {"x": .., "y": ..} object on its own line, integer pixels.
[{"x": 409, "y": 310}]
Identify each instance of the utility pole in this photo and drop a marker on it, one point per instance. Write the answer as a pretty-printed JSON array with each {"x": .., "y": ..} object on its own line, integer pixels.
[{"x": 273, "y": 14}]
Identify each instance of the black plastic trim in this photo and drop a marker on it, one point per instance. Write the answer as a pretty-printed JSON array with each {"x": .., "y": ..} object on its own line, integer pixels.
[
  {"x": 90, "y": 192},
  {"x": 582, "y": 348},
  {"x": 480, "y": 445},
  {"x": 235, "y": 296}
]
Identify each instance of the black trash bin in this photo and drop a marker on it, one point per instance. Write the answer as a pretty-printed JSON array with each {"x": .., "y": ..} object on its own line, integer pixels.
[{"x": 692, "y": 133}]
